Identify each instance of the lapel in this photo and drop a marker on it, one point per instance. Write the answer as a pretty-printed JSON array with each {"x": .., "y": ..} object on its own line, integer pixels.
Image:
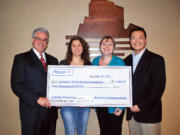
[
  {"x": 140, "y": 65},
  {"x": 130, "y": 63},
  {"x": 48, "y": 60},
  {"x": 37, "y": 61}
]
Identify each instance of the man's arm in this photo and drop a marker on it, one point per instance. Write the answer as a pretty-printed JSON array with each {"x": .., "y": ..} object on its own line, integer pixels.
[
  {"x": 158, "y": 80},
  {"x": 18, "y": 80}
]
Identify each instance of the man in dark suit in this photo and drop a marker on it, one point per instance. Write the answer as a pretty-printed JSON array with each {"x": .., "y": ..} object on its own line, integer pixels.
[
  {"x": 148, "y": 83},
  {"x": 28, "y": 82}
]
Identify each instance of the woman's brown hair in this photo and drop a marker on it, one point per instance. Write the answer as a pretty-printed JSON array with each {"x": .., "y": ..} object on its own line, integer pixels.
[{"x": 85, "y": 53}]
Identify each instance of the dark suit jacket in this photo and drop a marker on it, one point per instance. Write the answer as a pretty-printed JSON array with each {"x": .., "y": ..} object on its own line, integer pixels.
[
  {"x": 148, "y": 84},
  {"x": 28, "y": 82}
]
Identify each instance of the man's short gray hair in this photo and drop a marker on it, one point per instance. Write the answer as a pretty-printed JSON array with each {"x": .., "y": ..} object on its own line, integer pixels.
[{"x": 40, "y": 29}]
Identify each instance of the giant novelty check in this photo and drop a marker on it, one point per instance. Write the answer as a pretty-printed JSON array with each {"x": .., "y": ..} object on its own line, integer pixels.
[{"x": 91, "y": 86}]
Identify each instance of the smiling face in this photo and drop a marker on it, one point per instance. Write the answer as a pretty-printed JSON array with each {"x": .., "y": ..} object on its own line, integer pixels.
[
  {"x": 76, "y": 48},
  {"x": 107, "y": 46},
  {"x": 138, "y": 41},
  {"x": 40, "y": 42}
]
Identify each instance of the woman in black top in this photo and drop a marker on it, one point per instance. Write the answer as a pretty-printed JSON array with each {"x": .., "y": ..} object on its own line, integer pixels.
[{"x": 76, "y": 118}]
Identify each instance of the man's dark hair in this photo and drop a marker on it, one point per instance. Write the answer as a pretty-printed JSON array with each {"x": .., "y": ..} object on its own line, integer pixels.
[{"x": 137, "y": 29}]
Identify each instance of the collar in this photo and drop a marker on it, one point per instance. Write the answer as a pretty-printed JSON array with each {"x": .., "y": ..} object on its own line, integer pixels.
[
  {"x": 140, "y": 54},
  {"x": 38, "y": 55}
]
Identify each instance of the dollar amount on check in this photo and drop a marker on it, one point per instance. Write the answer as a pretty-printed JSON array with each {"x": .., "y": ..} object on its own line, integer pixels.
[{"x": 91, "y": 86}]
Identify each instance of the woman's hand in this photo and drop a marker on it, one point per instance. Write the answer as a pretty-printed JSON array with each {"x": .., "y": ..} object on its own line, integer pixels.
[{"x": 117, "y": 112}]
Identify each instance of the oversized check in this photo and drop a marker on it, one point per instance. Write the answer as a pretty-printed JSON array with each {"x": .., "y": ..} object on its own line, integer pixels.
[{"x": 92, "y": 86}]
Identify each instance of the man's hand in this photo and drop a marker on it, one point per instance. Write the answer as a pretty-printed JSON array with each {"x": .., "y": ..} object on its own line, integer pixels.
[
  {"x": 44, "y": 102},
  {"x": 135, "y": 108},
  {"x": 117, "y": 112}
]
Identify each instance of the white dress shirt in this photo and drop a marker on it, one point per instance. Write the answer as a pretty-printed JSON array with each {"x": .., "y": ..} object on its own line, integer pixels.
[
  {"x": 38, "y": 55},
  {"x": 136, "y": 59}
]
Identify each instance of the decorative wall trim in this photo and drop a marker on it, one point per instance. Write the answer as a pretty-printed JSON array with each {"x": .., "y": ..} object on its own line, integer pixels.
[{"x": 105, "y": 18}]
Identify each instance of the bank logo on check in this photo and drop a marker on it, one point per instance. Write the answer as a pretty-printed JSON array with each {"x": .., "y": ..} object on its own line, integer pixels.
[{"x": 62, "y": 72}]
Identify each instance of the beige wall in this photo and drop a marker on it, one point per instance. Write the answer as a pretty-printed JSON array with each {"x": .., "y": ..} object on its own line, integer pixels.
[{"x": 18, "y": 18}]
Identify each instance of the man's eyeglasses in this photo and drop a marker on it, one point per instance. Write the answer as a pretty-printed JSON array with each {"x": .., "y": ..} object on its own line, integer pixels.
[{"x": 39, "y": 39}]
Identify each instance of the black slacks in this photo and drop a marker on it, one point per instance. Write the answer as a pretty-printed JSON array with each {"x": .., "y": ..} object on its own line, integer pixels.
[
  {"x": 109, "y": 124},
  {"x": 43, "y": 124}
]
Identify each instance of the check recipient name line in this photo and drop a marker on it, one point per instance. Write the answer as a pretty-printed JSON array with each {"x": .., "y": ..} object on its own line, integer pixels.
[{"x": 98, "y": 87}]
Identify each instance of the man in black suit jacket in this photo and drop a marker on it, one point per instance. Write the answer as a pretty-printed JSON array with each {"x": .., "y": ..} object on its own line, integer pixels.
[
  {"x": 28, "y": 82},
  {"x": 148, "y": 83}
]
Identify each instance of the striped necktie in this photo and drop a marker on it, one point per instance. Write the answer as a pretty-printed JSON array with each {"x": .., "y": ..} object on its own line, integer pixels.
[{"x": 44, "y": 63}]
